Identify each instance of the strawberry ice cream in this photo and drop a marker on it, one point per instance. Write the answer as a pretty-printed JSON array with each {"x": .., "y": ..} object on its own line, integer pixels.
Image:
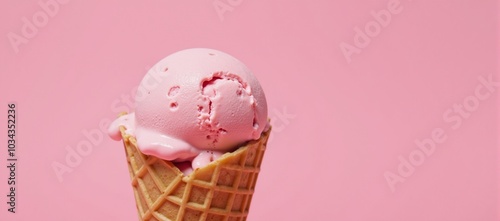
[{"x": 204, "y": 104}]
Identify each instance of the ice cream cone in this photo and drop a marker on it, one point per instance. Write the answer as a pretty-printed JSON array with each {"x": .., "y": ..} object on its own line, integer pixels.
[{"x": 222, "y": 190}]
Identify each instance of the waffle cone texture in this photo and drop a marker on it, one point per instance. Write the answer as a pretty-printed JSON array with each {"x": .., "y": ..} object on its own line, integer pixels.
[{"x": 222, "y": 190}]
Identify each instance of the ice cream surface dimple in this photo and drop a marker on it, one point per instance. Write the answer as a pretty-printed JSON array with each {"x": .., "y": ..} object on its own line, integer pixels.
[{"x": 194, "y": 106}]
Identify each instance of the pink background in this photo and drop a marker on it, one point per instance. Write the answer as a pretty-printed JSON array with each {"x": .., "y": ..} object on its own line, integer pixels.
[{"x": 339, "y": 126}]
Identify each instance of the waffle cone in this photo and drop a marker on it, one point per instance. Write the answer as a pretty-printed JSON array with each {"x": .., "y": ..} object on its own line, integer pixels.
[{"x": 222, "y": 190}]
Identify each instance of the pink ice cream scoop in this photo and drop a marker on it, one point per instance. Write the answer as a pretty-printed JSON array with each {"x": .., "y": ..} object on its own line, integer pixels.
[{"x": 195, "y": 105}]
